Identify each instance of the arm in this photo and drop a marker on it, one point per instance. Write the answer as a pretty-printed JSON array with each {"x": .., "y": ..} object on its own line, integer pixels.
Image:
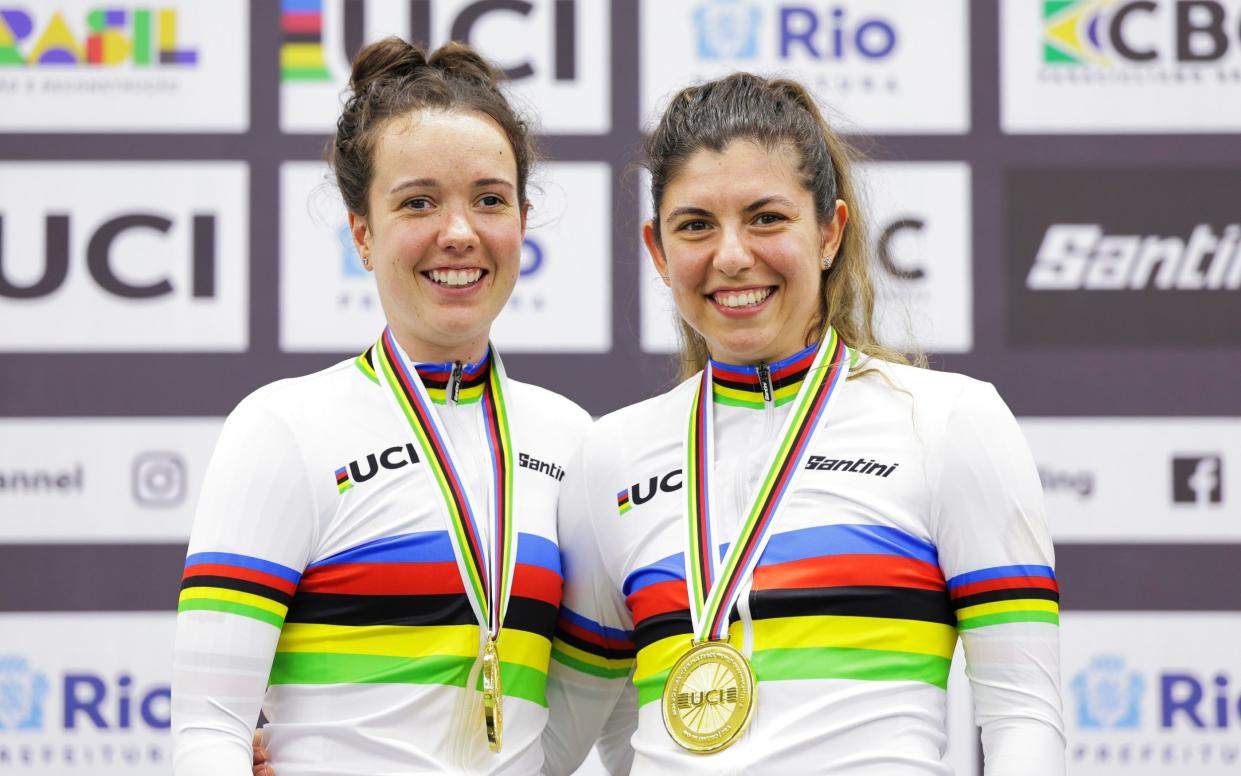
[
  {"x": 252, "y": 536},
  {"x": 592, "y": 654},
  {"x": 997, "y": 556}
]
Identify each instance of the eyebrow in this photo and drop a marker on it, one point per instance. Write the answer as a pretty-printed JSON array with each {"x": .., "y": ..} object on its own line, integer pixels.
[
  {"x": 765, "y": 201},
  {"x": 689, "y": 211},
  {"x": 757, "y": 204},
  {"x": 432, "y": 183}
]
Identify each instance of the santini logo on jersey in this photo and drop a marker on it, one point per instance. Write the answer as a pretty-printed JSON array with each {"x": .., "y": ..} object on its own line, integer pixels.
[
  {"x": 1081, "y": 256},
  {"x": 542, "y": 467},
  {"x": 362, "y": 470},
  {"x": 858, "y": 466}
]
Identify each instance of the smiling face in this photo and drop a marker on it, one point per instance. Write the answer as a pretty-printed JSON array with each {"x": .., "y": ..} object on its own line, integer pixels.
[
  {"x": 444, "y": 231},
  {"x": 741, "y": 248}
]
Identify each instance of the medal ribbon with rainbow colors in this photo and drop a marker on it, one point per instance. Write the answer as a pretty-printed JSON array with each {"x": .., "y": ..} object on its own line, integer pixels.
[
  {"x": 714, "y": 586},
  {"x": 488, "y": 577}
]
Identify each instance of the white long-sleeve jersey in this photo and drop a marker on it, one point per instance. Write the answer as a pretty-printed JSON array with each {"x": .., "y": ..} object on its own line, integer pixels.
[
  {"x": 321, "y": 584},
  {"x": 918, "y": 519}
]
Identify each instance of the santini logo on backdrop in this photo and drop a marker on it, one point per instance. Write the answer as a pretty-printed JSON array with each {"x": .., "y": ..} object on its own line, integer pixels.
[{"x": 1083, "y": 256}]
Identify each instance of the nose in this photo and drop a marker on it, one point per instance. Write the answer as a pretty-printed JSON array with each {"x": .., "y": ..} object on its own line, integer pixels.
[
  {"x": 732, "y": 257},
  {"x": 458, "y": 235}
]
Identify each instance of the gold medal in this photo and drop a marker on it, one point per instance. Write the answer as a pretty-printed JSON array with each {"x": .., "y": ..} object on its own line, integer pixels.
[
  {"x": 493, "y": 698},
  {"x": 708, "y": 697}
]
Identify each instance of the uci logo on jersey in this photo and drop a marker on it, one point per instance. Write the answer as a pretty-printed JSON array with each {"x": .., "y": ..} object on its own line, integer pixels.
[
  {"x": 634, "y": 496},
  {"x": 364, "y": 469}
]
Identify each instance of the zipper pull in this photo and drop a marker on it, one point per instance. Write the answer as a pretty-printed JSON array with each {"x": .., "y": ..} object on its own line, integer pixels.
[
  {"x": 764, "y": 379},
  {"x": 454, "y": 382}
]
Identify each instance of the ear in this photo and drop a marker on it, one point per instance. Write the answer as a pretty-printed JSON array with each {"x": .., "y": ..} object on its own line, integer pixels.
[
  {"x": 652, "y": 247},
  {"x": 525, "y": 213},
  {"x": 361, "y": 233},
  {"x": 834, "y": 230}
]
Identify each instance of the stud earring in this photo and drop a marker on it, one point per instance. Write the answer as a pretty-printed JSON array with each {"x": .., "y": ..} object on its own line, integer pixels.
[
  {"x": 827, "y": 262},
  {"x": 366, "y": 262}
]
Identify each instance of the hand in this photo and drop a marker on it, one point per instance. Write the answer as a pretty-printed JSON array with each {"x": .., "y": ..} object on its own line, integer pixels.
[{"x": 261, "y": 768}]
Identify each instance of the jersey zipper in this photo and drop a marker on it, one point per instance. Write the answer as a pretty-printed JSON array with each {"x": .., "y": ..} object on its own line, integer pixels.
[
  {"x": 764, "y": 380},
  {"x": 453, "y": 389}
]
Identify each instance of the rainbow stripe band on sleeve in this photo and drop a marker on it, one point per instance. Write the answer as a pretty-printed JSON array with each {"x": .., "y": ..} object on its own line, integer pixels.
[
  {"x": 1002, "y": 594},
  {"x": 237, "y": 584},
  {"x": 585, "y": 645}
]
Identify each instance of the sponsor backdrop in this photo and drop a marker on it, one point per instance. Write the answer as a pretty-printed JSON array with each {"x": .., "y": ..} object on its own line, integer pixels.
[{"x": 1053, "y": 189}]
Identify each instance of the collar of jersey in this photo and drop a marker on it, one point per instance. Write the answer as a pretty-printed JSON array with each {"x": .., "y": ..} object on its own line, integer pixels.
[
  {"x": 739, "y": 386},
  {"x": 435, "y": 376}
]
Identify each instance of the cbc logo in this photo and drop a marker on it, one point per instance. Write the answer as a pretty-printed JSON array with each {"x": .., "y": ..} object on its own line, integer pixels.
[{"x": 159, "y": 479}]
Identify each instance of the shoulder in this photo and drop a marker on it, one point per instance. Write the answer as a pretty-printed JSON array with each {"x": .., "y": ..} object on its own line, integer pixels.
[
  {"x": 635, "y": 431},
  {"x": 932, "y": 393},
  {"x": 638, "y": 418},
  {"x": 548, "y": 409},
  {"x": 316, "y": 398}
]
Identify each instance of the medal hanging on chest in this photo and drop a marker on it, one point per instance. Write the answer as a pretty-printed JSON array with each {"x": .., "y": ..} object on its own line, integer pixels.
[
  {"x": 487, "y": 576},
  {"x": 710, "y": 693}
]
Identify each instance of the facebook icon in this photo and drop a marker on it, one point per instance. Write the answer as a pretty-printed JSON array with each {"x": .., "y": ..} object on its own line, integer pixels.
[{"x": 1198, "y": 480}]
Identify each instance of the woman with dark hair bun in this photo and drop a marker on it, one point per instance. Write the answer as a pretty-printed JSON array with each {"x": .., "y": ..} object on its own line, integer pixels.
[
  {"x": 368, "y": 563},
  {"x": 781, "y": 552}
]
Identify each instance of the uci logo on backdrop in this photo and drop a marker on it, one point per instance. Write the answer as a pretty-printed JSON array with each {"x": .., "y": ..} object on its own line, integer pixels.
[
  {"x": 556, "y": 52},
  {"x": 150, "y": 261}
]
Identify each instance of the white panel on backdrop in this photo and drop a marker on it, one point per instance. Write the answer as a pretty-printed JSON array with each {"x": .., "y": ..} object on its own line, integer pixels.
[
  {"x": 922, "y": 238},
  {"x": 1139, "y": 479},
  {"x": 124, "y": 65},
  {"x": 124, "y": 257},
  {"x": 86, "y": 693},
  {"x": 105, "y": 480},
  {"x": 557, "y": 52},
  {"x": 1152, "y": 693},
  {"x": 883, "y": 66},
  {"x": 920, "y": 230},
  {"x": 1120, "y": 66},
  {"x": 562, "y": 302}
]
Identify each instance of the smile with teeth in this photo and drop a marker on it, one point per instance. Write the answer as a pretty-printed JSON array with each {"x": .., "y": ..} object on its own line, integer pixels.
[
  {"x": 455, "y": 277},
  {"x": 747, "y": 298}
]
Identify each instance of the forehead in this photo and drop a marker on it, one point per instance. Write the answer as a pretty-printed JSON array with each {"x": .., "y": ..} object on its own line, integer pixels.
[
  {"x": 445, "y": 145},
  {"x": 742, "y": 171}
]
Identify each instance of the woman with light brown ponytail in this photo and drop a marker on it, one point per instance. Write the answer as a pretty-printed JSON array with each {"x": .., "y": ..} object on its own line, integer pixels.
[
  {"x": 779, "y": 554},
  {"x": 367, "y": 564}
]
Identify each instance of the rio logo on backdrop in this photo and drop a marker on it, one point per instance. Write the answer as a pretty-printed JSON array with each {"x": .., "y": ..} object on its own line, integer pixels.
[
  {"x": 1128, "y": 34},
  {"x": 133, "y": 717},
  {"x": 1119, "y": 714},
  {"x": 142, "y": 37},
  {"x": 737, "y": 30}
]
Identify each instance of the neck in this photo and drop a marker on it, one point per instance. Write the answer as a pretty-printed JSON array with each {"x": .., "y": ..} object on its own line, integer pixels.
[
  {"x": 421, "y": 351},
  {"x": 775, "y": 358}
]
